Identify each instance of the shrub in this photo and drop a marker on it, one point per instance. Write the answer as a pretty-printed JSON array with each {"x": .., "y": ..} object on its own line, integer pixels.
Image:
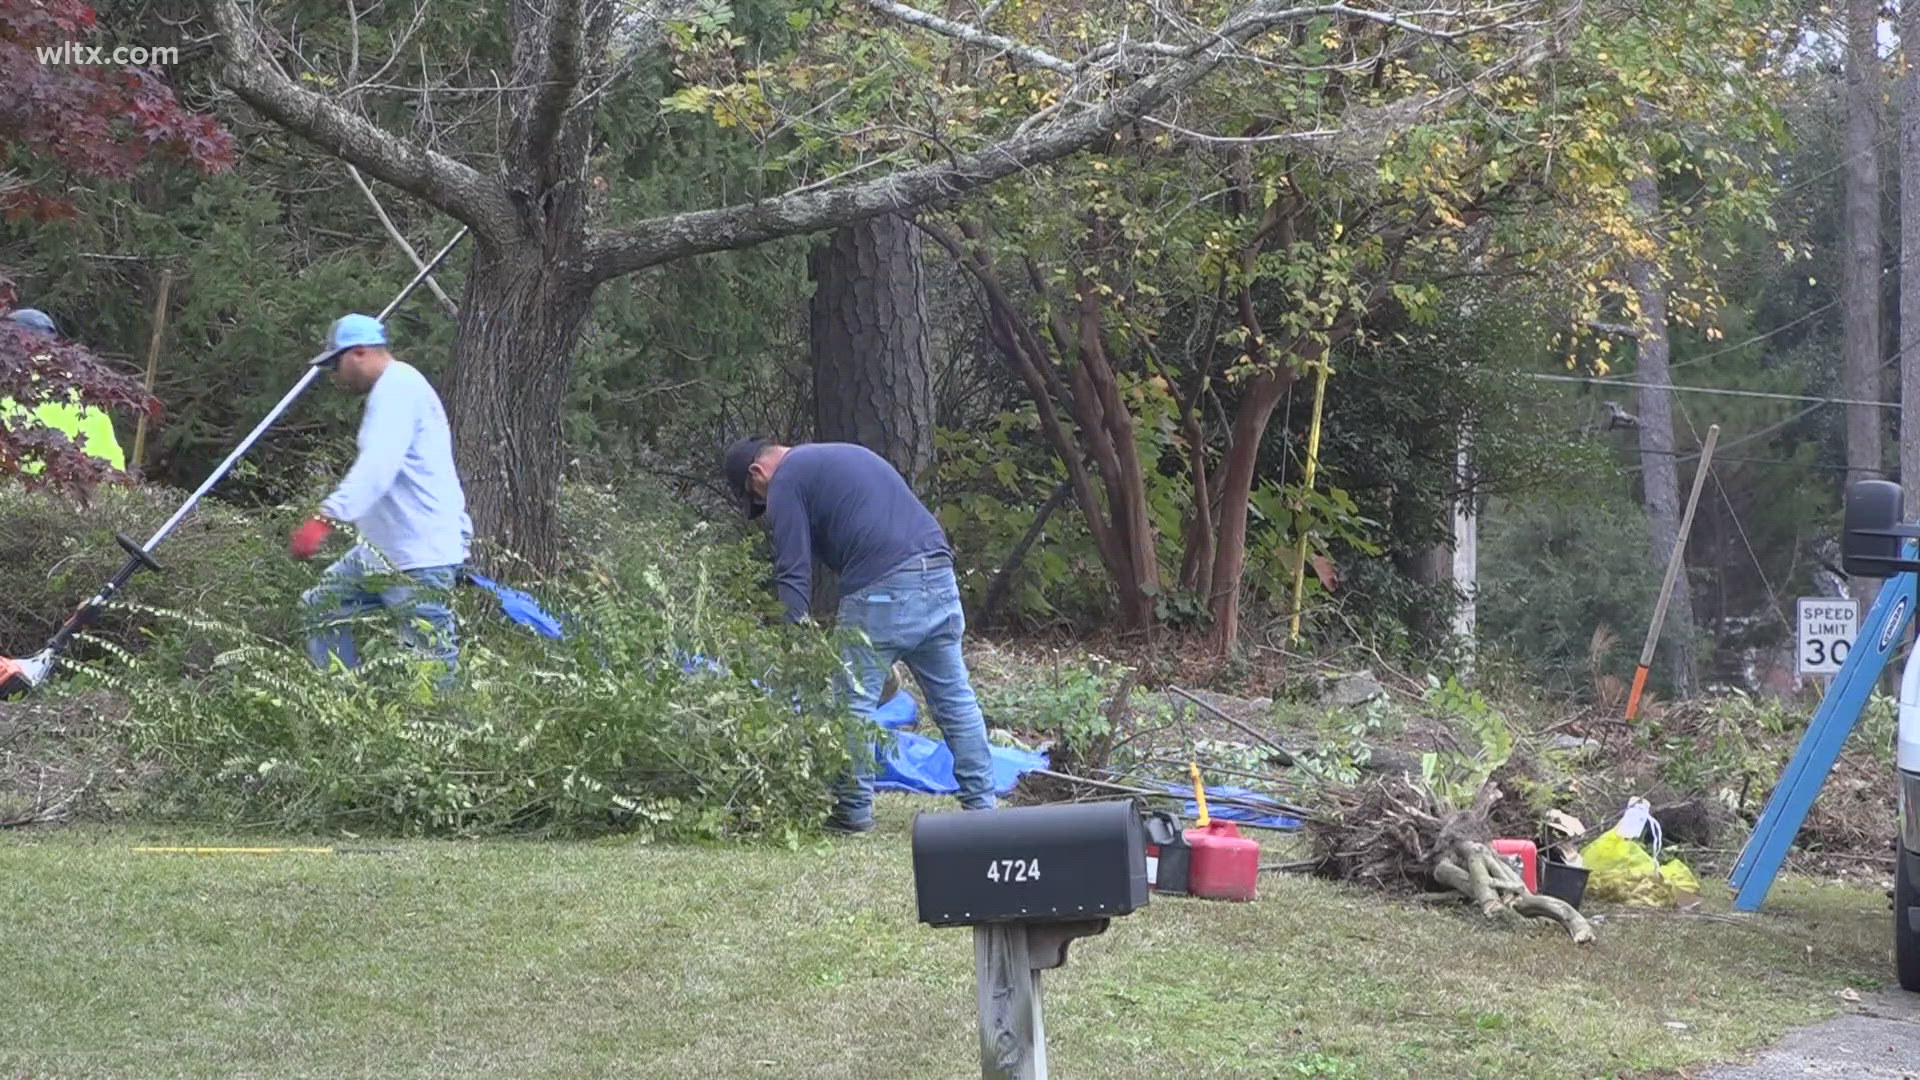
[
  {"x": 608, "y": 730},
  {"x": 220, "y": 563}
]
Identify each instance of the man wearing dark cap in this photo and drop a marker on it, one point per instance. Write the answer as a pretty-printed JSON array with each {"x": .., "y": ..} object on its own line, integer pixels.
[
  {"x": 404, "y": 496},
  {"x": 846, "y": 506}
]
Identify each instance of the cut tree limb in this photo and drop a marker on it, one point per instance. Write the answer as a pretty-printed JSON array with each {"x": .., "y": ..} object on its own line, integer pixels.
[
  {"x": 1536, "y": 906},
  {"x": 1284, "y": 755}
]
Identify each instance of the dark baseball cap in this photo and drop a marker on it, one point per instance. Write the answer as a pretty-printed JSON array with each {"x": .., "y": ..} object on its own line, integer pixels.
[{"x": 740, "y": 458}]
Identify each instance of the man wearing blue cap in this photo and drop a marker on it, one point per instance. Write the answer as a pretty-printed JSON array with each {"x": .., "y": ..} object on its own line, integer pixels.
[{"x": 404, "y": 496}]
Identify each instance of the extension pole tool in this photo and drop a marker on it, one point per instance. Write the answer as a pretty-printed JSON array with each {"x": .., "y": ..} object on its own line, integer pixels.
[
  {"x": 21, "y": 675},
  {"x": 1674, "y": 563}
]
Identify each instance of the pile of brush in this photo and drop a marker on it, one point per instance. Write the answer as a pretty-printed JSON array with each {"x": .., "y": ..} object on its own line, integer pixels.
[{"x": 1391, "y": 833}]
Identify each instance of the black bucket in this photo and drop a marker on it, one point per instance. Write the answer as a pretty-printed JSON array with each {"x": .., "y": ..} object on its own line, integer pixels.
[
  {"x": 1563, "y": 882},
  {"x": 1168, "y": 856}
]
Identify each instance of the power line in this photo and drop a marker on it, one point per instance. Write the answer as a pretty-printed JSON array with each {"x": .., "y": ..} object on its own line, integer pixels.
[
  {"x": 1694, "y": 455},
  {"x": 1710, "y": 390}
]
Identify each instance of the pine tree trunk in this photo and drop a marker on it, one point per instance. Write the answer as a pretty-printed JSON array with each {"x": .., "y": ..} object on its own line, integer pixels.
[
  {"x": 1860, "y": 261},
  {"x": 519, "y": 332},
  {"x": 1910, "y": 248},
  {"x": 1659, "y": 473},
  {"x": 872, "y": 370}
]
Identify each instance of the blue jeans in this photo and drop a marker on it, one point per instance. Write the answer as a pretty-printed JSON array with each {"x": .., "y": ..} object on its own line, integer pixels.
[
  {"x": 412, "y": 596},
  {"x": 913, "y": 614}
]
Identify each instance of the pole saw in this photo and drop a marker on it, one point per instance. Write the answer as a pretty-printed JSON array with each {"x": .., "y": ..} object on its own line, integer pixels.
[{"x": 17, "y": 676}]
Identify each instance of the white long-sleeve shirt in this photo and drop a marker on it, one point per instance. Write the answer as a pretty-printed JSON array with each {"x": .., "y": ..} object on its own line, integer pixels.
[{"x": 402, "y": 491}]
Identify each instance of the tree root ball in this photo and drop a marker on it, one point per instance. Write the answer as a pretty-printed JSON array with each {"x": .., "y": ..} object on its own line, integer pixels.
[{"x": 1390, "y": 834}]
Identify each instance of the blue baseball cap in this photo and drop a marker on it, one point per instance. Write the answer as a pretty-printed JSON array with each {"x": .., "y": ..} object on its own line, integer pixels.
[
  {"x": 35, "y": 319},
  {"x": 349, "y": 331}
]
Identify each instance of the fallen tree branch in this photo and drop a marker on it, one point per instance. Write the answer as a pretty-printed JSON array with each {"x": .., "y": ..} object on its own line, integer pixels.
[
  {"x": 1537, "y": 906},
  {"x": 1286, "y": 756}
]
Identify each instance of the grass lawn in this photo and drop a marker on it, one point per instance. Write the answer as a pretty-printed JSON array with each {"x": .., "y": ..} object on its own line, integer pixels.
[{"x": 518, "y": 959}]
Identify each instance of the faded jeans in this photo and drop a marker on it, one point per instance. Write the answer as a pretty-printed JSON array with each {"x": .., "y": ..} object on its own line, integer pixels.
[
  {"x": 913, "y": 614},
  {"x": 411, "y": 596}
]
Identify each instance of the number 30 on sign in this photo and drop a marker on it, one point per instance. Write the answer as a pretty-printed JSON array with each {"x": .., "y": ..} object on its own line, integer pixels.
[
  {"x": 1827, "y": 629},
  {"x": 1006, "y": 870}
]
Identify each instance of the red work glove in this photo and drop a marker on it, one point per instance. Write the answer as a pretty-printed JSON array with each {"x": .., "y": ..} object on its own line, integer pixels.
[{"x": 307, "y": 538}]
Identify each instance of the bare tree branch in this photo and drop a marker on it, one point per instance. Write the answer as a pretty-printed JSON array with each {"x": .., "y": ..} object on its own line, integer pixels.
[
  {"x": 1243, "y": 140},
  {"x": 972, "y": 35},
  {"x": 664, "y": 239},
  {"x": 393, "y": 231},
  {"x": 452, "y": 186},
  {"x": 560, "y": 31}
]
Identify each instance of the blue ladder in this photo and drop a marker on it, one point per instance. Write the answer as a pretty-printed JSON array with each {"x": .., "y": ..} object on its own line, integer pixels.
[{"x": 1806, "y": 773}]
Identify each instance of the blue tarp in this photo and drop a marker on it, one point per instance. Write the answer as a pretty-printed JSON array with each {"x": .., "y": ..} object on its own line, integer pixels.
[
  {"x": 1250, "y": 816},
  {"x": 518, "y": 606},
  {"x": 918, "y": 764}
]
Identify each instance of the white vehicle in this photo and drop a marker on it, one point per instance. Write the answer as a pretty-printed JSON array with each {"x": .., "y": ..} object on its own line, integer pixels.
[
  {"x": 1875, "y": 544},
  {"x": 1906, "y": 870}
]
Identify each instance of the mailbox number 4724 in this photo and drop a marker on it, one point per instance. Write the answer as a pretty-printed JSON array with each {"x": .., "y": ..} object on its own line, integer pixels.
[{"x": 1005, "y": 870}]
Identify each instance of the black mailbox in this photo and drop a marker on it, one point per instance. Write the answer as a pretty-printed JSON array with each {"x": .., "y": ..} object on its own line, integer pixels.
[{"x": 1069, "y": 862}]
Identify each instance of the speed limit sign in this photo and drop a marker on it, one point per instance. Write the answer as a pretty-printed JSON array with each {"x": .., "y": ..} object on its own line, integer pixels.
[{"x": 1827, "y": 628}]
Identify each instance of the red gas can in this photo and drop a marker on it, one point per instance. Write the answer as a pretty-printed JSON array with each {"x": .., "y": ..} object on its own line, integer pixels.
[
  {"x": 1222, "y": 865},
  {"x": 1525, "y": 858}
]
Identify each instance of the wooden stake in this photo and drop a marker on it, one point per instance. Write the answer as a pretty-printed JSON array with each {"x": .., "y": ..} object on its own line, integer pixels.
[
  {"x": 139, "y": 460},
  {"x": 1306, "y": 487},
  {"x": 1674, "y": 563}
]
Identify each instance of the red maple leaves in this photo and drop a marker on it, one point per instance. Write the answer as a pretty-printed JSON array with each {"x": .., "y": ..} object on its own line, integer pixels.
[
  {"x": 94, "y": 119},
  {"x": 36, "y": 370}
]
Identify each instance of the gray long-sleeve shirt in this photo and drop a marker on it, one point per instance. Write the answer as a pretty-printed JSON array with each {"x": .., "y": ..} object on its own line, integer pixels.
[
  {"x": 843, "y": 504},
  {"x": 402, "y": 491}
]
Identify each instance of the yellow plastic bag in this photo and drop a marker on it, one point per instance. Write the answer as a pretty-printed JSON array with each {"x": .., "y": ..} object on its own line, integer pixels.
[
  {"x": 1685, "y": 887},
  {"x": 1619, "y": 870}
]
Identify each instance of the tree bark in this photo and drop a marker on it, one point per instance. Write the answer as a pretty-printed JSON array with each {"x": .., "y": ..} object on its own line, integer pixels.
[
  {"x": 1910, "y": 247},
  {"x": 1860, "y": 262},
  {"x": 1260, "y": 396},
  {"x": 1659, "y": 472},
  {"x": 1025, "y": 351},
  {"x": 872, "y": 370},
  {"x": 519, "y": 330}
]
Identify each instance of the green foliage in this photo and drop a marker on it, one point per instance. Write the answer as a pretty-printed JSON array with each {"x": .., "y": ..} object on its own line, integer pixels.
[
  {"x": 218, "y": 564},
  {"x": 1343, "y": 741},
  {"x": 602, "y": 732},
  {"x": 1455, "y": 777},
  {"x": 1557, "y": 571},
  {"x": 1069, "y": 703}
]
